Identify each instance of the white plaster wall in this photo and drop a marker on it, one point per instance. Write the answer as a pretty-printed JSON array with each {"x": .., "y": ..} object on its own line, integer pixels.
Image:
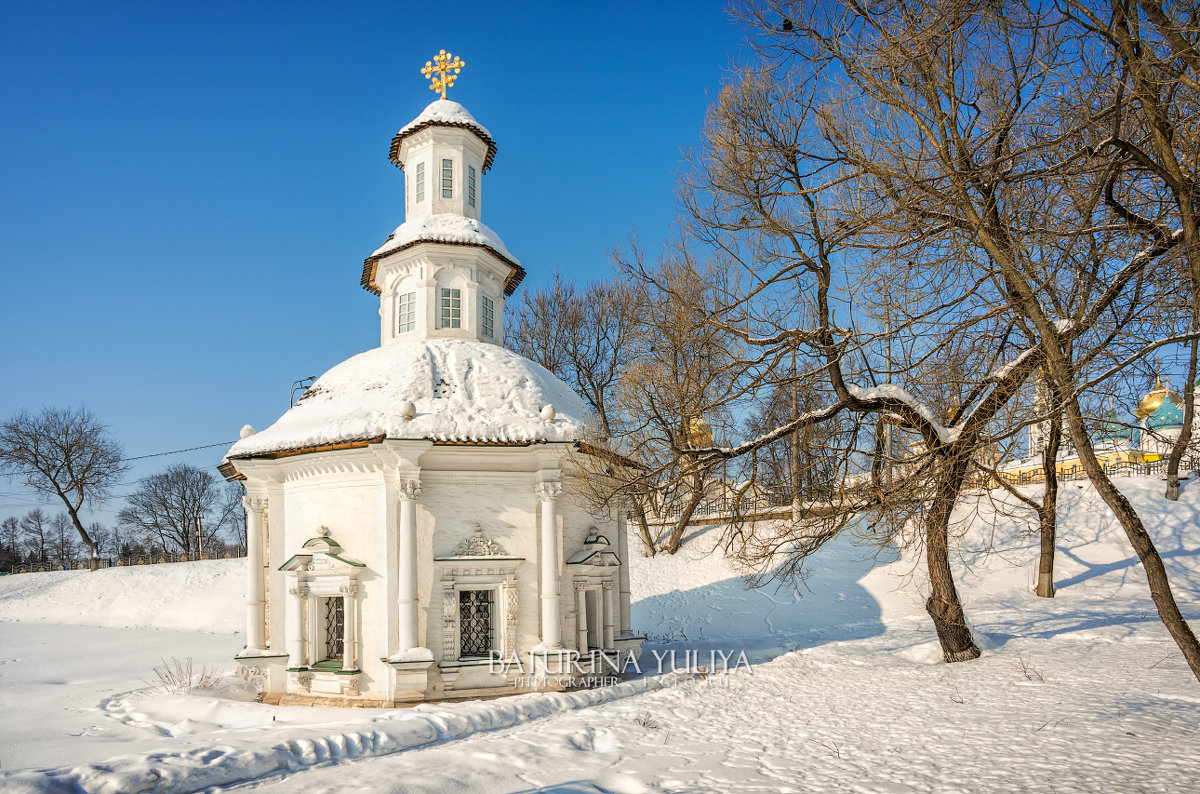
[
  {"x": 431, "y": 146},
  {"x": 353, "y": 506},
  {"x": 503, "y": 504},
  {"x": 427, "y": 268}
]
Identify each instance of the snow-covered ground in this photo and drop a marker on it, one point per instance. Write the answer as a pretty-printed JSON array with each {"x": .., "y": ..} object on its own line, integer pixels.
[{"x": 1084, "y": 692}]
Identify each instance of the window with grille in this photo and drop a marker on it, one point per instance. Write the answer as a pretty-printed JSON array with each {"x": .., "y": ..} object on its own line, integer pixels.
[
  {"x": 451, "y": 308},
  {"x": 489, "y": 317},
  {"x": 476, "y": 636},
  {"x": 471, "y": 185},
  {"x": 335, "y": 628},
  {"x": 420, "y": 182},
  {"x": 406, "y": 313},
  {"x": 447, "y": 179}
]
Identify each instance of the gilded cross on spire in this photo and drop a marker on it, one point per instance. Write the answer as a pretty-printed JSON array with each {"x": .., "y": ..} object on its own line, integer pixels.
[{"x": 442, "y": 65}]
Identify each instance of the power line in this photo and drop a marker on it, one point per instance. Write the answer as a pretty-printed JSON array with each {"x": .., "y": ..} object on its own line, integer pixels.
[{"x": 180, "y": 451}]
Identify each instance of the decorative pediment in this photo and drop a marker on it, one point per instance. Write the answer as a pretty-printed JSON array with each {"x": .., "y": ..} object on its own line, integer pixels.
[
  {"x": 321, "y": 553},
  {"x": 479, "y": 546},
  {"x": 594, "y": 557}
]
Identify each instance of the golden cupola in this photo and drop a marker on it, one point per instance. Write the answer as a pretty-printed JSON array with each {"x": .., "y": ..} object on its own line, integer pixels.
[{"x": 1154, "y": 399}]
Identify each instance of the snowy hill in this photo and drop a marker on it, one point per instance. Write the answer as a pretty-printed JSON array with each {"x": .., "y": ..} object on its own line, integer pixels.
[
  {"x": 1082, "y": 692},
  {"x": 186, "y": 596}
]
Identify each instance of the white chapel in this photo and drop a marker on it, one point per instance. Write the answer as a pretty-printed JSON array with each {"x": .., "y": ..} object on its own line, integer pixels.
[{"x": 407, "y": 519}]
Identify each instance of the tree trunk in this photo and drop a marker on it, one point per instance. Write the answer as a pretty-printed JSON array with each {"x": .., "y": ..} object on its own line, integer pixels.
[
  {"x": 1184, "y": 440},
  {"x": 639, "y": 512},
  {"x": 1139, "y": 538},
  {"x": 685, "y": 515},
  {"x": 943, "y": 605},
  {"x": 94, "y": 558},
  {"x": 1048, "y": 514}
]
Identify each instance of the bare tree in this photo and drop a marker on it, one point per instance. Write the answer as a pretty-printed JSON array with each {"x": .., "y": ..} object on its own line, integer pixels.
[
  {"x": 35, "y": 527},
  {"x": 183, "y": 508},
  {"x": 587, "y": 338},
  {"x": 62, "y": 540},
  {"x": 65, "y": 453},
  {"x": 963, "y": 139}
]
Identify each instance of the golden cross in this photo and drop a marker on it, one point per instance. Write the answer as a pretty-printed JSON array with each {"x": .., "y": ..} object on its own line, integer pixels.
[{"x": 442, "y": 65}]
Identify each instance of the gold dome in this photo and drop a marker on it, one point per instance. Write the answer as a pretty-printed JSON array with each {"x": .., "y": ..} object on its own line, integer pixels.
[
  {"x": 699, "y": 433},
  {"x": 1154, "y": 399}
]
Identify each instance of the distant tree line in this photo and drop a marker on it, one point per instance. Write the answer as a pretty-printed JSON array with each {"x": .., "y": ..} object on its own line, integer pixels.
[{"x": 67, "y": 455}]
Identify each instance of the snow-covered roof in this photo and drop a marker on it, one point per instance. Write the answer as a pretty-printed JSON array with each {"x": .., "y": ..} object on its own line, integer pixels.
[
  {"x": 445, "y": 227},
  {"x": 463, "y": 390},
  {"x": 444, "y": 113}
]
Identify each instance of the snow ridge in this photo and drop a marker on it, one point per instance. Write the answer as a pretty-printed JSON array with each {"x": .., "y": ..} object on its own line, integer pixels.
[{"x": 223, "y": 765}]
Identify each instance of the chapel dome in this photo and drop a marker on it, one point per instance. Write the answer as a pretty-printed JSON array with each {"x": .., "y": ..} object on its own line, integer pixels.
[
  {"x": 1112, "y": 429},
  {"x": 1168, "y": 415},
  {"x": 1154, "y": 398},
  {"x": 444, "y": 113},
  {"x": 463, "y": 390}
]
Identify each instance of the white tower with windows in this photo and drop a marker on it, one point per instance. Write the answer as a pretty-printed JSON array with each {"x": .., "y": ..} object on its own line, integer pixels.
[
  {"x": 442, "y": 274},
  {"x": 408, "y": 519}
]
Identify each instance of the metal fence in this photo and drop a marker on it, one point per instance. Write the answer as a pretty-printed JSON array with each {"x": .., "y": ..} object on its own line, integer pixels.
[
  {"x": 126, "y": 561},
  {"x": 1076, "y": 472}
]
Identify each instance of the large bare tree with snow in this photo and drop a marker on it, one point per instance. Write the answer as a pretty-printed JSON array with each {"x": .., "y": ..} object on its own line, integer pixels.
[{"x": 922, "y": 204}]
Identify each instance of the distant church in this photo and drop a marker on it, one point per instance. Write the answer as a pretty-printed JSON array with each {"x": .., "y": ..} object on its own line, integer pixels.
[
  {"x": 407, "y": 519},
  {"x": 1159, "y": 415}
]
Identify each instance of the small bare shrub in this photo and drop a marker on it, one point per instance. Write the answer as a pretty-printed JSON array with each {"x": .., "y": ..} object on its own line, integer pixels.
[
  {"x": 181, "y": 677},
  {"x": 1030, "y": 672},
  {"x": 648, "y": 721}
]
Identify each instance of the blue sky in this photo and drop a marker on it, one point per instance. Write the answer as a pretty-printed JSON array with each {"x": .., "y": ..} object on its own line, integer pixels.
[{"x": 187, "y": 191}]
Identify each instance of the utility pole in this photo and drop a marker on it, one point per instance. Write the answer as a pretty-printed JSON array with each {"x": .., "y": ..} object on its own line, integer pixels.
[{"x": 199, "y": 538}]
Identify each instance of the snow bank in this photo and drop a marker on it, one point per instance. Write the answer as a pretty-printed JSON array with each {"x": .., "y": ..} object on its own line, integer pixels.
[
  {"x": 463, "y": 390},
  {"x": 190, "y": 596},
  {"x": 445, "y": 227}
]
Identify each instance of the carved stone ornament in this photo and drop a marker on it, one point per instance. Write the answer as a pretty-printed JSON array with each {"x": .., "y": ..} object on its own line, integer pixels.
[
  {"x": 350, "y": 590},
  {"x": 548, "y": 491},
  {"x": 478, "y": 546},
  {"x": 305, "y": 680},
  {"x": 253, "y": 675},
  {"x": 608, "y": 585},
  {"x": 254, "y": 504},
  {"x": 299, "y": 592},
  {"x": 410, "y": 488},
  {"x": 581, "y": 586}
]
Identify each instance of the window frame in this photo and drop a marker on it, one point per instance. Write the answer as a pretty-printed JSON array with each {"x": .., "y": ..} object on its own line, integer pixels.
[
  {"x": 471, "y": 185},
  {"x": 494, "y": 638},
  {"x": 450, "y": 307},
  {"x": 487, "y": 317},
  {"x": 406, "y": 309},
  {"x": 447, "y": 178},
  {"x": 420, "y": 182}
]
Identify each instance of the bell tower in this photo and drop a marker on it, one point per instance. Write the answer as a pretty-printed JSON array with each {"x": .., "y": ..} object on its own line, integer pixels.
[{"x": 442, "y": 274}]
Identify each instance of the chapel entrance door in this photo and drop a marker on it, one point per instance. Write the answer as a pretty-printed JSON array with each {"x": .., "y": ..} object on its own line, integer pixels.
[
  {"x": 591, "y": 601},
  {"x": 335, "y": 628}
]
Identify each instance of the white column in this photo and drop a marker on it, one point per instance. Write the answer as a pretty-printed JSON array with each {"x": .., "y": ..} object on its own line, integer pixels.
[
  {"x": 406, "y": 575},
  {"x": 581, "y": 624},
  {"x": 610, "y": 608},
  {"x": 548, "y": 492},
  {"x": 623, "y": 621},
  {"x": 349, "y": 597},
  {"x": 255, "y": 599},
  {"x": 295, "y": 633}
]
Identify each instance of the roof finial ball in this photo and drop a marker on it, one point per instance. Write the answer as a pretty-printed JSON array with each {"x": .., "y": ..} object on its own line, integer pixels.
[{"x": 442, "y": 65}]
